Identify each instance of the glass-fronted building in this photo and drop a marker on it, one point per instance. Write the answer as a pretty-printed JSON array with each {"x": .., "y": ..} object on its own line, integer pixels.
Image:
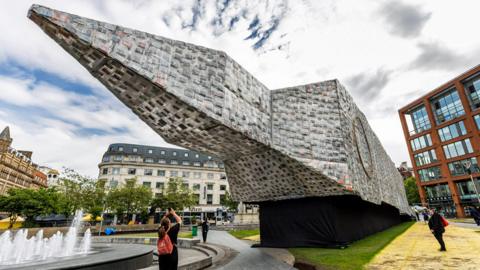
[{"x": 442, "y": 130}]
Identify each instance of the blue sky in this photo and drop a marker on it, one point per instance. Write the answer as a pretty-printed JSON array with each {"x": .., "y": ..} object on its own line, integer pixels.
[{"x": 386, "y": 53}]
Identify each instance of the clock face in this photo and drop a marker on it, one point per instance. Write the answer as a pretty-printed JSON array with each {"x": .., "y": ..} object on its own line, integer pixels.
[{"x": 362, "y": 147}]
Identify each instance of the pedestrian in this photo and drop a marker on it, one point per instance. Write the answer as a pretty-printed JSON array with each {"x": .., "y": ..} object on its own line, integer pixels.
[
  {"x": 416, "y": 215},
  {"x": 425, "y": 216},
  {"x": 204, "y": 229},
  {"x": 168, "y": 232},
  {"x": 437, "y": 227},
  {"x": 476, "y": 215}
]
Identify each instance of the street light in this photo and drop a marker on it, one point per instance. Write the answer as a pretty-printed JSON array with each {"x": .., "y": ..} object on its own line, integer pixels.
[{"x": 467, "y": 165}]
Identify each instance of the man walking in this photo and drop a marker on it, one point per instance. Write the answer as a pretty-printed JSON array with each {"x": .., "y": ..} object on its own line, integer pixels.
[
  {"x": 437, "y": 228},
  {"x": 204, "y": 229}
]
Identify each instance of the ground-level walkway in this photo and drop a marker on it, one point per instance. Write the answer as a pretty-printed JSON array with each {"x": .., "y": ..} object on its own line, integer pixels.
[
  {"x": 248, "y": 258},
  {"x": 418, "y": 249}
]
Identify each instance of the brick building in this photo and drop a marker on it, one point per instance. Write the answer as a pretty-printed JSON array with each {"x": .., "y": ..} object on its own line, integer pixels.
[
  {"x": 442, "y": 133},
  {"x": 16, "y": 167}
]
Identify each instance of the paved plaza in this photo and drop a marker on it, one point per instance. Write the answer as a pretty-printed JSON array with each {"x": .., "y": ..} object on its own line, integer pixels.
[{"x": 418, "y": 249}]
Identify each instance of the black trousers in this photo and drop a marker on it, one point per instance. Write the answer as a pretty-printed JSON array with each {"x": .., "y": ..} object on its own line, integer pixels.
[
  {"x": 170, "y": 261},
  {"x": 204, "y": 236},
  {"x": 439, "y": 237}
]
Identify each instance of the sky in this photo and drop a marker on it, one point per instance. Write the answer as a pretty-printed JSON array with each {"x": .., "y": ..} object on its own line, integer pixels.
[{"x": 387, "y": 54}]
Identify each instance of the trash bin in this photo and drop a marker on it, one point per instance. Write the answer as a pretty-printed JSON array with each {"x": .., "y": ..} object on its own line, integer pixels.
[{"x": 194, "y": 230}]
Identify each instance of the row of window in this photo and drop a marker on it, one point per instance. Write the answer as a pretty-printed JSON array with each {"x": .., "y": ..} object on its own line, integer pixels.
[
  {"x": 195, "y": 186},
  {"x": 466, "y": 190},
  {"x": 456, "y": 168},
  {"x": 119, "y": 158},
  {"x": 447, "y": 106},
  {"x": 451, "y": 150},
  {"x": 151, "y": 172},
  {"x": 162, "y": 152}
]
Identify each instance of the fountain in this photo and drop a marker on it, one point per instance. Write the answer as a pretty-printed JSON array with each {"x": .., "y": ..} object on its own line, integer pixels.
[{"x": 18, "y": 248}]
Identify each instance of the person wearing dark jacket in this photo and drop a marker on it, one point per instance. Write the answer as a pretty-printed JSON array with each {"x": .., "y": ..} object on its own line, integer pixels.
[
  {"x": 436, "y": 227},
  {"x": 204, "y": 229},
  {"x": 475, "y": 214}
]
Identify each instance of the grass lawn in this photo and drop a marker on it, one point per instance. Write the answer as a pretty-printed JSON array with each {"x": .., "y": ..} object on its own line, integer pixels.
[
  {"x": 355, "y": 256},
  {"x": 240, "y": 234},
  {"x": 151, "y": 235}
]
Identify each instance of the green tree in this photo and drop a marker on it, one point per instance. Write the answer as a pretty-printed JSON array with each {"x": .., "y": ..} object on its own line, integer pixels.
[
  {"x": 129, "y": 198},
  {"x": 228, "y": 202},
  {"x": 411, "y": 189},
  {"x": 178, "y": 195}
]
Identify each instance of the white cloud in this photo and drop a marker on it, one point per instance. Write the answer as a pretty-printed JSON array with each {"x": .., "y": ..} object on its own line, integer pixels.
[{"x": 318, "y": 40}]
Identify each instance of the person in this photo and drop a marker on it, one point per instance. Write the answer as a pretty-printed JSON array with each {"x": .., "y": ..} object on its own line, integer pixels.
[
  {"x": 437, "y": 228},
  {"x": 425, "y": 216},
  {"x": 204, "y": 229},
  {"x": 169, "y": 261},
  {"x": 475, "y": 214},
  {"x": 416, "y": 215}
]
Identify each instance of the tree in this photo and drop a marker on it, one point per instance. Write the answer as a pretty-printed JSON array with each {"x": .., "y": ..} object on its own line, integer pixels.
[
  {"x": 178, "y": 195},
  {"x": 12, "y": 205},
  {"x": 129, "y": 198},
  {"x": 411, "y": 189},
  {"x": 228, "y": 202}
]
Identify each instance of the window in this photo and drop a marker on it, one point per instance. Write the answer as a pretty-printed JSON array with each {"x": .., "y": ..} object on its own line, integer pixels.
[
  {"x": 159, "y": 185},
  {"x": 452, "y": 131},
  {"x": 117, "y": 158},
  {"x": 437, "y": 192},
  {"x": 162, "y": 161},
  {"x": 210, "y": 175},
  {"x": 147, "y": 184},
  {"x": 116, "y": 171},
  {"x": 173, "y": 161},
  {"x": 472, "y": 88},
  {"x": 221, "y": 165},
  {"x": 185, "y": 154},
  {"x": 162, "y": 152},
  {"x": 458, "y": 168},
  {"x": 185, "y": 174},
  {"x": 420, "y": 119},
  {"x": 104, "y": 171},
  {"x": 196, "y": 186},
  {"x": 466, "y": 190},
  {"x": 132, "y": 171},
  {"x": 148, "y": 160},
  {"x": 120, "y": 148},
  {"x": 196, "y": 155},
  {"x": 458, "y": 148},
  {"x": 113, "y": 183},
  {"x": 161, "y": 173},
  {"x": 150, "y": 151},
  {"x": 148, "y": 172},
  {"x": 196, "y": 198},
  {"x": 173, "y": 173},
  {"x": 135, "y": 150},
  {"x": 223, "y": 176},
  {"x": 197, "y": 175},
  {"x": 447, "y": 107},
  {"x": 223, "y": 187},
  {"x": 210, "y": 164},
  {"x": 209, "y": 186},
  {"x": 185, "y": 185},
  {"x": 106, "y": 158},
  {"x": 429, "y": 174},
  {"x": 209, "y": 199},
  {"x": 426, "y": 157},
  {"x": 186, "y": 163},
  {"x": 477, "y": 120},
  {"x": 196, "y": 163},
  {"x": 174, "y": 153},
  {"x": 222, "y": 199}
]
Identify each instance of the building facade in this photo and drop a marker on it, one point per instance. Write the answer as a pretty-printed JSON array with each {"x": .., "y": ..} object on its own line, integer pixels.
[
  {"x": 443, "y": 138},
  {"x": 405, "y": 171},
  {"x": 53, "y": 176},
  {"x": 153, "y": 166},
  {"x": 16, "y": 167}
]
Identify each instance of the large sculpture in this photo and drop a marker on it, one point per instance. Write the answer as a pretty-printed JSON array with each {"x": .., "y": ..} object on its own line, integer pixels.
[{"x": 306, "y": 154}]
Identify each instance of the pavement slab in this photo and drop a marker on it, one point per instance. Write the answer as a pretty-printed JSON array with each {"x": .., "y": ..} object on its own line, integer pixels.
[{"x": 417, "y": 248}]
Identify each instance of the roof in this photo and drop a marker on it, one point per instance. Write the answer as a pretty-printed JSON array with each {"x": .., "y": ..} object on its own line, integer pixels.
[
  {"x": 158, "y": 153},
  {"x": 5, "y": 135}
]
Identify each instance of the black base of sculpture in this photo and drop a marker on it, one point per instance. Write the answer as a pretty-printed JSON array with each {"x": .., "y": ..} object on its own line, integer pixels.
[{"x": 326, "y": 222}]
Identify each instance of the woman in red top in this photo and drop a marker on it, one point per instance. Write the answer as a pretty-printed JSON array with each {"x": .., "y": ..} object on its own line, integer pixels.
[{"x": 169, "y": 261}]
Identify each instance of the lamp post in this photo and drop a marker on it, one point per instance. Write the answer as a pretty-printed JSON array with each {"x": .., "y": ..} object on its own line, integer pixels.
[{"x": 468, "y": 165}]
